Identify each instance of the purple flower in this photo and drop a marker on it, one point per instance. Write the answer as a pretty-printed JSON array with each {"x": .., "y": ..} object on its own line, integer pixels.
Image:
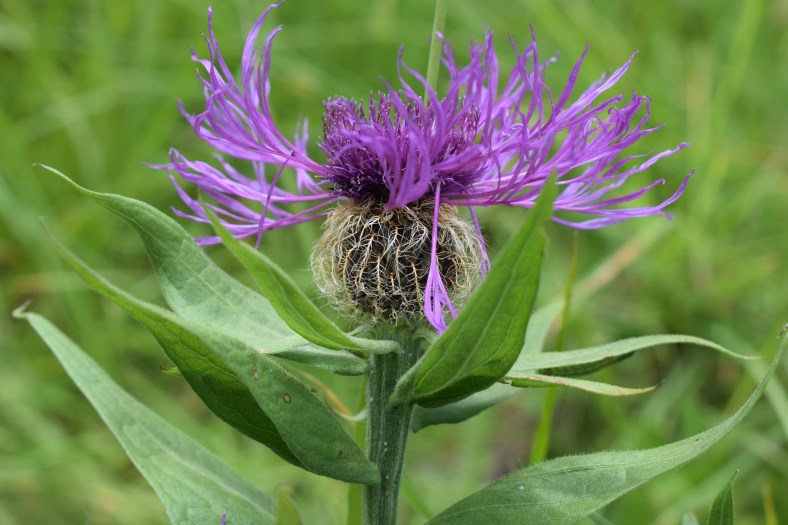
[{"x": 485, "y": 141}]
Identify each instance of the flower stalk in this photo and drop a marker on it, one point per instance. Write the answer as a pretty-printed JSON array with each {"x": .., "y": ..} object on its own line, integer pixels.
[
  {"x": 388, "y": 427},
  {"x": 433, "y": 65}
]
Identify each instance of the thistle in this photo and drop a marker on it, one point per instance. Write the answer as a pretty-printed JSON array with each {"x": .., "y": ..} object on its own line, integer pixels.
[
  {"x": 398, "y": 167},
  {"x": 398, "y": 186}
]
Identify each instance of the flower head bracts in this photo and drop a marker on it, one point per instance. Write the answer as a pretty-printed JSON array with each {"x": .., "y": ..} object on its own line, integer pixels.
[{"x": 474, "y": 145}]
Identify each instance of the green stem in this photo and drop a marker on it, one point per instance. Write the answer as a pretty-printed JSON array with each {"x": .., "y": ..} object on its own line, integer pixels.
[
  {"x": 541, "y": 441},
  {"x": 433, "y": 66},
  {"x": 387, "y": 428}
]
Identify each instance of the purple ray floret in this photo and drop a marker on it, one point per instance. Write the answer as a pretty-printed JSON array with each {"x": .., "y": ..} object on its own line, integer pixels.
[{"x": 489, "y": 139}]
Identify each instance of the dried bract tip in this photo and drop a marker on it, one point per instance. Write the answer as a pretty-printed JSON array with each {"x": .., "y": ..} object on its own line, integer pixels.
[{"x": 373, "y": 262}]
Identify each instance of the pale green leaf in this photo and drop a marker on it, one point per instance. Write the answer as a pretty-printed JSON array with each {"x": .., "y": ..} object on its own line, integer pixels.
[
  {"x": 564, "y": 490},
  {"x": 595, "y": 387},
  {"x": 689, "y": 519},
  {"x": 587, "y": 360},
  {"x": 195, "y": 486},
  {"x": 483, "y": 342}
]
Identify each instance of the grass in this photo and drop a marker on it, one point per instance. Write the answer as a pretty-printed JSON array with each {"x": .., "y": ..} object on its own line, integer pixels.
[{"x": 90, "y": 88}]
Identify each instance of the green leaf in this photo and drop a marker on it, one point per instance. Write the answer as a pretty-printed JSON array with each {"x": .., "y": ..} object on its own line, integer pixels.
[
  {"x": 535, "y": 337},
  {"x": 722, "y": 509},
  {"x": 587, "y": 360},
  {"x": 296, "y": 349},
  {"x": 461, "y": 410},
  {"x": 286, "y": 512},
  {"x": 483, "y": 342},
  {"x": 595, "y": 387},
  {"x": 198, "y": 290},
  {"x": 195, "y": 486},
  {"x": 564, "y": 490},
  {"x": 246, "y": 388},
  {"x": 290, "y": 302}
]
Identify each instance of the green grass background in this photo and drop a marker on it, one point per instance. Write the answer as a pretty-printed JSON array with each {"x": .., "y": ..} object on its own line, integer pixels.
[{"x": 90, "y": 87}]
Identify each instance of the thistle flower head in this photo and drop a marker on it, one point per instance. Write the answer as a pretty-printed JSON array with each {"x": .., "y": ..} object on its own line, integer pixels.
[{"x": 402, "y": 161}]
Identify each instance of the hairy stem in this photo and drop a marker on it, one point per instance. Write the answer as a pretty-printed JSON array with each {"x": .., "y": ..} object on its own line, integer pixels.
[{"x": 387, "y": 428}]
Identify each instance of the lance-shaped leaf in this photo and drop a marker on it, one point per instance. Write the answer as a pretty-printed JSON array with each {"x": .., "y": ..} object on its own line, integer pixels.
[
  {"x": 483, "y": 342},
  {"x": 290, "y": 302},
  {"x": 587, "y": 360},
  {"x": 295, "y": 348},
  {"x": 595, "y": 387},
  {"x": 564, "y": 490},
  {"x": 194, "y": 485},
  {"x": 198, "y": 290},
  {"x": 470, "y": 406},
  {"x": 246, "y": 388},
  {"x": 722, "y": 509}
]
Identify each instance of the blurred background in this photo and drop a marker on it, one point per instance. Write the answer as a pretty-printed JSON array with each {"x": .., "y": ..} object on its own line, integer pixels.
[{"x": 90, "y": 87}]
